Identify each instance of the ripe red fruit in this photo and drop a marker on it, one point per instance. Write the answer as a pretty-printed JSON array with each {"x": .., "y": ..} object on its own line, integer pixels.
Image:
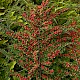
[
  {"x": 24, "y": 14},
  {"x": 26, "y": 28},
  {"x": 57, "y": 52},
  {"x": 44, "y": 76},
  {"x": 39, "y": 7},
  {"x": 42, "y": 67},
  {"x": 51, "y": 71},
  {"x": 7, "y": 32},
  {"x": 48, "y": 54}
]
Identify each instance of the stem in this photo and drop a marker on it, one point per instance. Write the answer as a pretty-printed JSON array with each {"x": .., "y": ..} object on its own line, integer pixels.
[{"x": 39, "y": 57}]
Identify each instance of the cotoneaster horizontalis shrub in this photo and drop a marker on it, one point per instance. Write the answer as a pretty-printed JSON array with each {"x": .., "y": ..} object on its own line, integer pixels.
[{"x": 43, "y": 50}]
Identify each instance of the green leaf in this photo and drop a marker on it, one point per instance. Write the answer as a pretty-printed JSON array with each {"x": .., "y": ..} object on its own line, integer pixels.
[
  {"x": 8, "y": 78},
  {"x": 2, "y": 14},
  {"x": 38, "y": 1},
  {"x": 13, "y": 17},
  {"x": 20, "y": 20},
  {"x": 58, "y": 8},
  {"x": 2, "y": 61},
  {"x": 12, "y": 64},
  {"x": 12, "y": 13},
  {"x": 19, "y": 17},
  {"x": 2, "y": 7},
  {"x": 3, "y": 52},
  {"x": 72, "y": 12},
  {"x": 79, "y": 39},
  {"x": 15, "y": 78},
  {"x": 3, "y": 42},
  {"x": 25, "y": 23}
]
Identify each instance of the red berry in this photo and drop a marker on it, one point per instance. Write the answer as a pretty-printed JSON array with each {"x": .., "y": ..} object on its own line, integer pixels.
[
  {"x": 44, "y": 76},
  {"x": 42, "y": 66},
  {"x": 7, "y": 32},
  {"x": 26, "y": 28},
  {"x": 49, "y": 55},
  {"x": 51, "y": 71},
  {"x": 24, "y": 14},
  {"x": 39, "y": 7}
]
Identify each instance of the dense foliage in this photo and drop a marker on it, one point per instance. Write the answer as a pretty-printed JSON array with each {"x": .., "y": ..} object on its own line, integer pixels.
[{"x": 40, "y": 40}]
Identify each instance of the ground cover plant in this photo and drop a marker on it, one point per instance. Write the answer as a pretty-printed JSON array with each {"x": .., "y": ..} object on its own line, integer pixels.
[{"x": 45, "y": 47}]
